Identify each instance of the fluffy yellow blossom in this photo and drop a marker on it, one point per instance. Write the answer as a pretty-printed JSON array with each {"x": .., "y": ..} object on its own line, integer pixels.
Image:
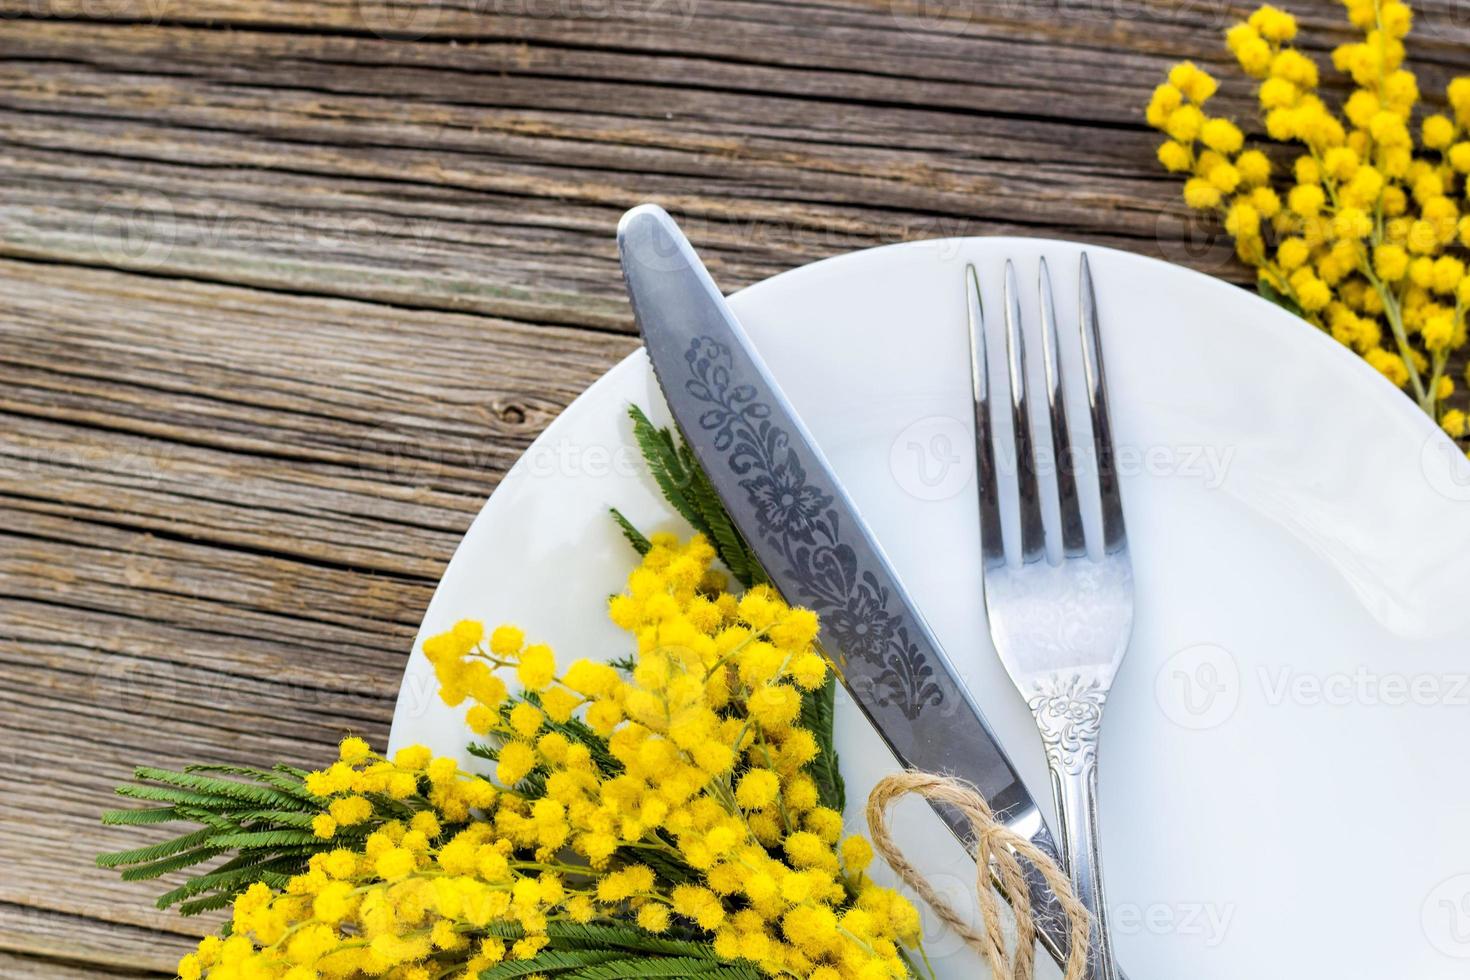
[
  {"x": 1365, "y": 242},
  {"x": 1454, "y": 423},
  {"x": 707, "y": 759},
  {"x": 1273, "y": 24},
  {"x": 689, "y": 755},
  {"x": 353, "y": 750},
  {"x": 1174, "y": 156},
  {"x": 1221, "y": 135},
  {"x": 1200, "y": 193}
]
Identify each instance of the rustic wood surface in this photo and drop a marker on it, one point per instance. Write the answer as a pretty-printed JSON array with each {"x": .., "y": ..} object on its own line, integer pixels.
[{"x": 288, "y": 284}]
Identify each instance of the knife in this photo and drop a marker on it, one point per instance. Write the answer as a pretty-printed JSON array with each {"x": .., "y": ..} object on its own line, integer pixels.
[{"x": 783, "y": 496}]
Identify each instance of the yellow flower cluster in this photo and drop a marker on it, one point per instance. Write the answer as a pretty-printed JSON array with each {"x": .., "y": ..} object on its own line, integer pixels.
[
  {"x": 692, "y": 758},
  {"x": 398, "y": 901},
  {"x": 707, "y": 765},
  {"x": 1367, "y": 237}
]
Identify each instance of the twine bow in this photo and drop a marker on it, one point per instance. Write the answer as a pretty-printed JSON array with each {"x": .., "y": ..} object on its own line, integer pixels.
[{"x": 995, "y": 846}]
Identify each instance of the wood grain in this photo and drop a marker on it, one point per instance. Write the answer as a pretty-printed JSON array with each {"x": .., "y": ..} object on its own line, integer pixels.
[
  {"x": 288, "y": 285},
  {"x": 222, "y": 512}
]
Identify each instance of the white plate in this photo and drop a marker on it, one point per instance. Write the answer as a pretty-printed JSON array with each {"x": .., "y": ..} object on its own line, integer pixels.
[{"x": 1284, "y": 786}]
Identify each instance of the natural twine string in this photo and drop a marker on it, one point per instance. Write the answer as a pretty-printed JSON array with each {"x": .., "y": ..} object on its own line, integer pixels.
[{"x": 995, "y": 845}]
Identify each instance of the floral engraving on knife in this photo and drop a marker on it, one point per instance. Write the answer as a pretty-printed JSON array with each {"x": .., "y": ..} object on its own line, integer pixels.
[
  {"x": 1069, "y": 714},
  {"x": 796, "y": 516}
]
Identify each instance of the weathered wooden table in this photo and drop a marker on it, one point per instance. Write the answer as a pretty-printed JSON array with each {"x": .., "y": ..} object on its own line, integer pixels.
[{"x": 286, "y": 285}]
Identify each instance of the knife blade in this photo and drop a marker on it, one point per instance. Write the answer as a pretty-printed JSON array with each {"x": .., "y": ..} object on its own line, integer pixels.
[{"x": 782, "y": 494}]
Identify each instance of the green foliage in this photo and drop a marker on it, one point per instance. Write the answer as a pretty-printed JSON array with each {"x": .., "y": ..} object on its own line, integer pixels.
[
  {"x": 635, "y": 537},
  {"x": 550, "y": 962},
  {"x": 264, "y": 816},
  {"x": 258, "y": 821},
  {"x": 683, "y": 967},
  {"x": 689, "y": 491},
  {"x": 1270, "y": 292},
  {"x": 817, "y": 715},
  {"x": 533, "y": 786},
  {"x": 604, "y": 951}
]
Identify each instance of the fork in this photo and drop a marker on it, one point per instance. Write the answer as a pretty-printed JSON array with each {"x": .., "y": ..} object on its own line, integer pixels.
[{"x": 1060, "y": 601}]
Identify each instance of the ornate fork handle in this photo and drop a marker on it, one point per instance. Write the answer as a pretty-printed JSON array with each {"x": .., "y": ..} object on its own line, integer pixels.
[{"x": 1069, "y": 716}]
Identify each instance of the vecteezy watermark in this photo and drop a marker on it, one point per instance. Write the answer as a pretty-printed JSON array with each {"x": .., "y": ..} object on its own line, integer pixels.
[
  {"x": 1199, "y": 687},
  {"x": 138, "y": 465},
  {"x": 566, "y": 459},
  {"x": 829, "y": 234},
  {"x": 1363, "y": 687},
  {"x": 411, "y": 20},
  {"x": 406, "y": 20},
  {"x": 941, "y": 940},
  {"x": 141, "y": 685},
  {"x": 1192, "y": 238},
  {"x": 1448, "y": 19},
  {"x": 406, "y": 450},
  {"x": 1445, "y": 917},
  {"x": 1206, "y": 921},
  {"x": 154, "y": 10},
  {"x": 1207, "y": 464},
  {"x": 144, "y": 229},
  {"x": 934, "y": 458},
  {"x": 1445, "y": 467},
  {"x": 951, "y": 17},
  {"x": 135, "y": 229},
  {"x": 397, "y": 449},
  {"x": 955, "y": 17}
]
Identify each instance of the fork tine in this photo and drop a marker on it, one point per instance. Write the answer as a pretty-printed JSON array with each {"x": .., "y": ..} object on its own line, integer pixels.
[
  {"x": 1074, "y": 538},
  {"x": 1114, "y": 533},
  {"x": 1033, "y": 531},
  {"x": 992, "y": 545}
]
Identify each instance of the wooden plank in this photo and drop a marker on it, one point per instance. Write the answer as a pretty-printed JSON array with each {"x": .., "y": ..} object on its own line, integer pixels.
[
  {"x": 19, "y": 967},
  {"x": 200, "y": 406},
  {"x": 222, "y": 513},
  {"x": 288, "y": 285},
  {"x": 40, "y": 942},
  {"x": 488, "y": 176}
]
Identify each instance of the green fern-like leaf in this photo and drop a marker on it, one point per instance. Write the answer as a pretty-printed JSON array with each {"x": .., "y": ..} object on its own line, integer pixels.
[
  {"x": 576, "y": 730},
  {"x": 233, "y": 877},
  {"x": 635, "y": 537},
  {"x": 1270, "y": 292},
  {"x": 284, "y": 818},
  {"x": 165, "y": 794},
  {"x": 730, "y": 971},
  {"x": 282, "y": 780},
  {"x": 668, "y": 867},
  {"x": 154, "y": 852},
  {"x": 228, "y": 789},
  {"x": 140, "y": 818},
  {"x": 718, "y": 527},
  {"x": 662, "y": 457},
  {"x": 220, "y": 821},
  {"x": 642, "y": 966},
  {"x": 601, "y": 935},
  {"x": 551, "y": 961},
  {"x": 689, "y": 491},
  {"x": 273, "y": 839},
  {"x": 213, "y": 903},
  {"x": 818, "y": 710},
  {"x": 168, "y": 865}
]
